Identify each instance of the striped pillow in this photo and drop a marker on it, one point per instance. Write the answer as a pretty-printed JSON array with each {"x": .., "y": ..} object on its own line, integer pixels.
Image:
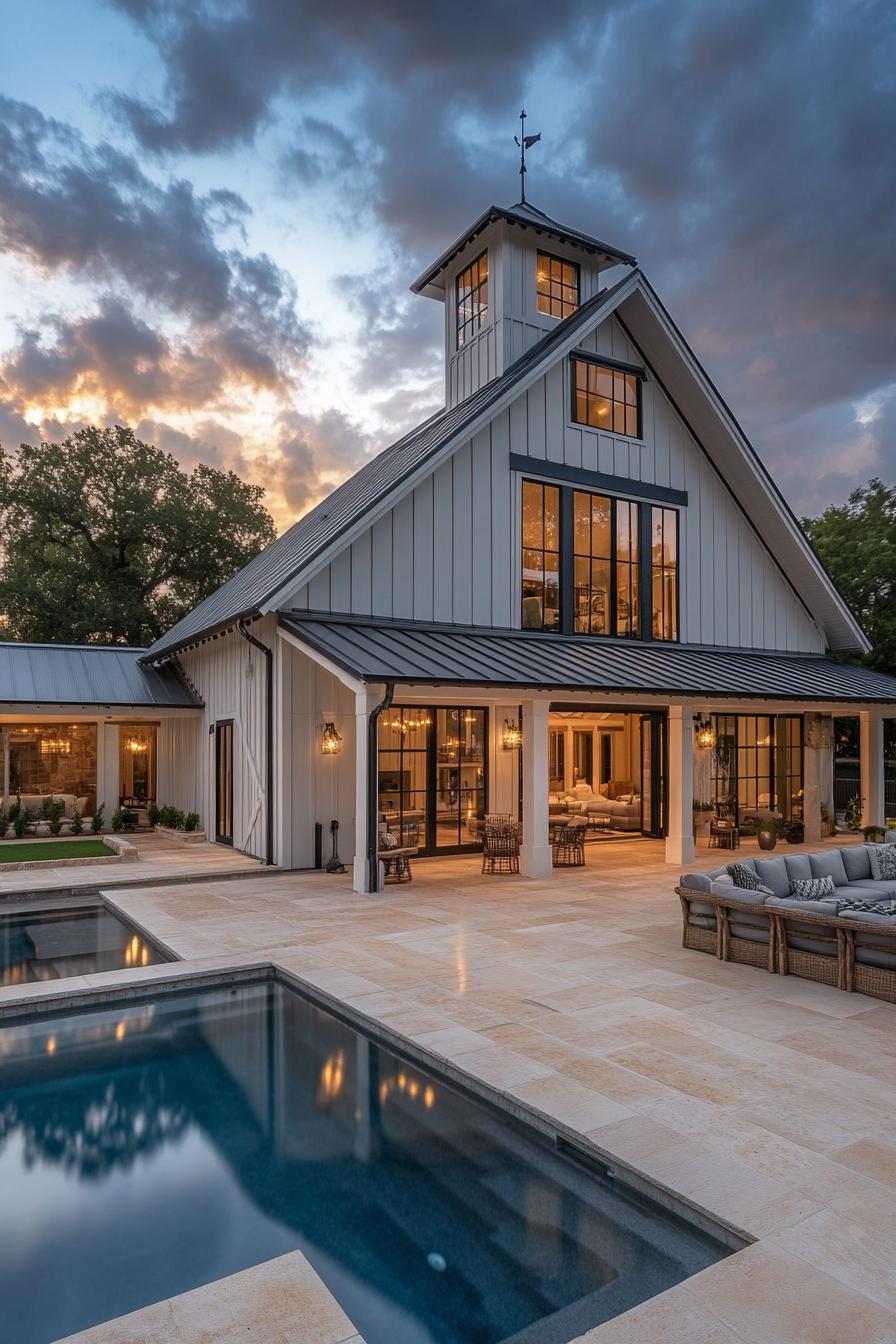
[{"x": 812, "y": 889}]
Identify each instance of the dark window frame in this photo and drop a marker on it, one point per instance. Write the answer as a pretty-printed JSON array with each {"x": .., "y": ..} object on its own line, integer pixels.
[
  {"x": 616, "y": 370},
  {"x": 555, "y": 286},
  {"x": 642, "y": 561},
  {"x": 737, "y": 747},
  {"x": 653, "y": 568},
  {"x": 468, "y": 323}
]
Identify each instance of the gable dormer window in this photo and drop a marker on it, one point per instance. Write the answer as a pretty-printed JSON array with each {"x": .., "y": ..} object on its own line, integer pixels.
[
  {"x": 472, "y": 299},
  {"x": 557, "y": 285},
  {"x": 605, "y": 397}
]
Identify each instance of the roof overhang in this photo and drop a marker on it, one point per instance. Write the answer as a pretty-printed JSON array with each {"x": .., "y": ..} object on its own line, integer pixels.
[
  {"x": 431, "y": 282},
  {"x": 421, "y": 653}
]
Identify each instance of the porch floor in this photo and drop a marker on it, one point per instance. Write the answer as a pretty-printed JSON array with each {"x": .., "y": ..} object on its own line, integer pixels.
[{"x": 768, "y": 1102}]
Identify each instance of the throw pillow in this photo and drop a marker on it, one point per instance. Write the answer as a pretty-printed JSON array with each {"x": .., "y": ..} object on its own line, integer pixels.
[
  {"x": 388, "y": 840},
  {"x": 812, "y": 889},
  {"x": 870, "y": 907},
  {"x": 744, "y": 877},
  {"x": 883, "y": 862}
]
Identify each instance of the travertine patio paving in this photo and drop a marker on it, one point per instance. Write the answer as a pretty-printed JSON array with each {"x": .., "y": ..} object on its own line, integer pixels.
[{"x": 768, "y": 1102}]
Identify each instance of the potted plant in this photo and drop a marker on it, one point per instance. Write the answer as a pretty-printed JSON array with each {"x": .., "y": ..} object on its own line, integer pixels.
[
  {"x": 702, "y": 816},
  {"x": 794, "y": 831},
  {"x": 874, "y": 835},
  {"x": 852, "y": 816},
  {"x": 96, "y": 821},
  {"x": 77, "y": 822},
  {"x": 767, "y": 834},
  {"x": 118, "y": 819}
]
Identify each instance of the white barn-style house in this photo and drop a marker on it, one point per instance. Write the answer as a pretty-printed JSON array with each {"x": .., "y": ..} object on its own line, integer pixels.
[{"x": 574, "y": 589}]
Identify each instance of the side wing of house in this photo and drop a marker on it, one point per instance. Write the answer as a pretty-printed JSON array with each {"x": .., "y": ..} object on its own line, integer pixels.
[{"x": 450, "y": 549}]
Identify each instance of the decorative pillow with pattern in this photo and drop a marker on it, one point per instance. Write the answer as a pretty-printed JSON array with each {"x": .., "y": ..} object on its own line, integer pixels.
[
  {"x": 869, "y": 907},
  {"x": 388, "y": 840},
  {"x": 813, "y": 889},
  {"x": 744, "y": 877},
  {"x": 883, "y": 862}
]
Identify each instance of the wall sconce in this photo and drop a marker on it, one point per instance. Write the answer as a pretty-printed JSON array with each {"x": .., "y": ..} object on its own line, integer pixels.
[
  {"x": 331, "y": 742},
  {"x": 705, "y": 733},
  {"x": 512, "y": 736}
]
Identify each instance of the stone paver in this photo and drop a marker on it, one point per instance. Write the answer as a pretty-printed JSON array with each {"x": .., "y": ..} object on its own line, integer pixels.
[{"x": 768, "y": 1102}]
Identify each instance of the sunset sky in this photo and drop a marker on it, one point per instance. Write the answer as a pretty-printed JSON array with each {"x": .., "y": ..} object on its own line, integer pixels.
[{"x": 210, "y": 212}]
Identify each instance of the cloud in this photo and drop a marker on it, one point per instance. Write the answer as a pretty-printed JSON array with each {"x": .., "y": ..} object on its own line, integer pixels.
[{"x": 91, "y": 213}]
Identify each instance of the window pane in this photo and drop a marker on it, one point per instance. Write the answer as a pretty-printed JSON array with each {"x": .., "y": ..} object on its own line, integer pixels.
[
  {"x": 600, "y": 526},
  {"x": 533, "y": 518},
  {"x": 552, "y": 518},
  {"x": 612, "y": 398},
  {"x": 581, "y": 511}
]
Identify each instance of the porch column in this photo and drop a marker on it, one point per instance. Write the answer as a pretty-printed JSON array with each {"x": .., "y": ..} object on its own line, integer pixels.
[
  {"x": 680, "y": 783},
  {"x": 871, "y": 766},
  {"x": 817, "y": 755},
  {"x": 364, "y": 702},
  {"x": 535, "y": 854}
]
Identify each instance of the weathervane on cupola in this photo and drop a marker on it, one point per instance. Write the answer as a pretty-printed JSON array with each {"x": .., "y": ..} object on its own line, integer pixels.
[{"x": 524, "y": 142}]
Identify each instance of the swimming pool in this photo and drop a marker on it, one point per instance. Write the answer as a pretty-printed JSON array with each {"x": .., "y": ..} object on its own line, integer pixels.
[
  {"x": 152, "y": 1146},
  {"x": 66, "y": 937}
]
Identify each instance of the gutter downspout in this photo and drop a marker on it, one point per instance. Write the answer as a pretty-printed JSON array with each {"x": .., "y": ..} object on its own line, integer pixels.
[
  {"x": 373, "y": 810},
  {"x": 269, "y": 740}
]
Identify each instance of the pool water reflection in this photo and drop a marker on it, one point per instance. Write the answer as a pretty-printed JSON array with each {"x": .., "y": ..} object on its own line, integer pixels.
[
  {"x": 48, "y": 943},
  {"x": 153, "y": 1147}
]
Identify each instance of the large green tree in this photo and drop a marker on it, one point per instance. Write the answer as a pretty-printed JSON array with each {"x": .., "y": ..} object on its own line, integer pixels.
[
  {"x": 104, "y": 538},
  {"x": 857, "y": 544}
]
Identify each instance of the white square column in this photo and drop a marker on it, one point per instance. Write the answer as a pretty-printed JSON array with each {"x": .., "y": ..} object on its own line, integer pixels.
[
  {"x": 680, "y": 784},
  {"x": 871, "y": 766},
  {"x": 535, "y": 854}
]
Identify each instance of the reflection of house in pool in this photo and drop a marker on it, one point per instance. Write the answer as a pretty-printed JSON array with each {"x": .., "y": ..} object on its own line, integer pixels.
[
  {"x": 232, "y": 1125},
  {"x": 57, "y": 939}
]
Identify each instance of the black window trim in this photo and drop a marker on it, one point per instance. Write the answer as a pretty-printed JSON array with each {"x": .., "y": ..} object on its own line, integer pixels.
[
  {"x": 645, "y": 559},
  {"x": 613, "y": 365},
  {"x": 552, "y": 256},
  {"x": 458, "y": 325}
]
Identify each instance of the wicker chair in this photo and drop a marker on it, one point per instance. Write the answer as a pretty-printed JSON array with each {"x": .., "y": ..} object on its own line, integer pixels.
[
  {"x": 568, "y": 847},
  {"x": 500, "y": 846},
  {"x": 724, "y": 832}
]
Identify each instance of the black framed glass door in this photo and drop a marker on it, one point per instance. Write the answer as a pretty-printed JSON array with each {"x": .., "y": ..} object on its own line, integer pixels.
[
  {"x": 224, "y": 782},
  {"x": 433, "y": 769},
  {"x": 653, "y": 775}
]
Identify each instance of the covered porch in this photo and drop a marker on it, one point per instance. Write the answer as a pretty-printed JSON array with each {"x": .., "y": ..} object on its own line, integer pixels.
[{"x": 438, "y": 727}]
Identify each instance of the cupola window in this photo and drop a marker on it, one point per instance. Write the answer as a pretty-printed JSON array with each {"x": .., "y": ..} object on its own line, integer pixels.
[
  {"x": 557, "y": 285},
  {"x": 472, "y": 299}
]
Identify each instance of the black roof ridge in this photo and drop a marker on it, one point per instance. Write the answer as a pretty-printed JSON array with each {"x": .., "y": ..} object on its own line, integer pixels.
[{"x": 93, "y": 648}]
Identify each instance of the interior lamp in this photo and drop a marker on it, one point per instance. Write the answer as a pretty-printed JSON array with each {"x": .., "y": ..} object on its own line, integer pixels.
[{"x": 331, "y": 742}]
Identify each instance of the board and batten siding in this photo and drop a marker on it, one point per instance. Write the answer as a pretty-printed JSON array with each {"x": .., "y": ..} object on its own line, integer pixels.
[
  {"x": 229, "y": 675},
  {"x": 449, "y": 550}
]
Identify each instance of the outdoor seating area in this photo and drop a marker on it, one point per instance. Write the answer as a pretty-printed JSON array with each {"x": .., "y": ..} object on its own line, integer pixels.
[{"x": 828, "y": 916}]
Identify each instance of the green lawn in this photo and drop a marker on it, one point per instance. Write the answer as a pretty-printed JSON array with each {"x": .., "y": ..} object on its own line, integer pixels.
[{"x": 27, "y": 851}]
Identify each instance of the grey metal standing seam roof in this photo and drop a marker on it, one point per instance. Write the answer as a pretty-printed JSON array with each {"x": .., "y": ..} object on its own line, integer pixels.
[
  {"x": 248, "y": 591},
  {"x": 88, "y": 674},
  {"x": 528, "y": 217},
  {"x": 419, "y": 652}
]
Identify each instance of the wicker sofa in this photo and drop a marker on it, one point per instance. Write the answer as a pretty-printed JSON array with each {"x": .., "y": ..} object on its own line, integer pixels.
[{"x": 821, "y": 940}]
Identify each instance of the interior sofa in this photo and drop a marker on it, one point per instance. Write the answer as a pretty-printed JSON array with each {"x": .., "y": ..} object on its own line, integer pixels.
[
  {"x": 827, "y": 940},
  {"x": 619, "y": 808}
]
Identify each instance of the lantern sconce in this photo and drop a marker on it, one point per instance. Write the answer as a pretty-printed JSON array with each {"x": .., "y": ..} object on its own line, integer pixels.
[
  {"x": 705, "y": 733},
  {"x": 331, "y": 741},
  {"x": 512, "y": 736}
]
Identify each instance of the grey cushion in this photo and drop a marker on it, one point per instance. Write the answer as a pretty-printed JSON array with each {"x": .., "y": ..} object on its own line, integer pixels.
[
  {"x": 799, "y": 868},
  {"x": 856, "y": 861},
  {"x": 883, "y": 862},
  {"x": 695, "y": 881},
  {"x": 741, "y": 895},
  {"x": 864, "y": 891},
  {"x": 881, "y": 887},
  {"x": 722, "y": 886},
  {"x": 829, "y": 864},
  {"x": 867, "y": 917},
  {"x": 802, "y": 907},
  {"x": 890, "y": 838},
  {"x": 772, "y": 873}
]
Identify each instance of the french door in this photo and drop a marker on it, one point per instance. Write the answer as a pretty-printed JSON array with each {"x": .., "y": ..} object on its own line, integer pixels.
[
  {"x": 653, "y": 775},
  {"x": 224, "y": 781}
]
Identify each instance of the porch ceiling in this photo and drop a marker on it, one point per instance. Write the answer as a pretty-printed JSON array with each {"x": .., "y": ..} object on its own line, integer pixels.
[{"x": 419, "y": 652}]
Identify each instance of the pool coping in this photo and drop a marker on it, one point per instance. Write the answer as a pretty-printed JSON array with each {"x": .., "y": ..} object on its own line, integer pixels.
[{"x": 178, "y": 976}]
